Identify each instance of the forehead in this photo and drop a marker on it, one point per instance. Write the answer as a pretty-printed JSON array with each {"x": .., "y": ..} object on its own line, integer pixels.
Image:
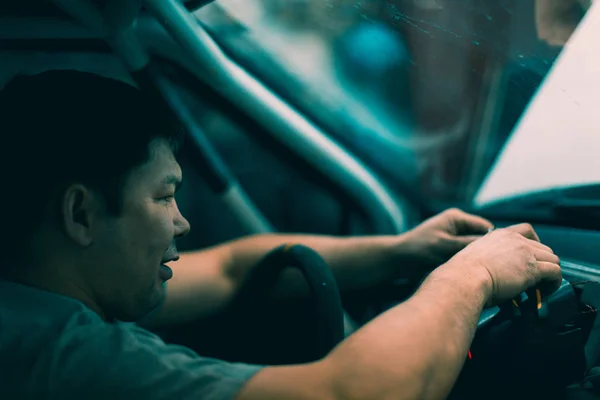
[{"x": 161, "y": 168}]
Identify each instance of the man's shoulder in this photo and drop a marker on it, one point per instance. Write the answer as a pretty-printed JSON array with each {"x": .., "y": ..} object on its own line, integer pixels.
[
  {"x": 35, "y": 326},
  {"x": 105, "y": 361},
  {"x": 53, "y": 346},
  {"x": 31, "y": 318}
]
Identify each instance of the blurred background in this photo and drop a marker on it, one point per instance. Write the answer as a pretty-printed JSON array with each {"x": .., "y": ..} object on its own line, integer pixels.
[{"x": 425, "y": 91}]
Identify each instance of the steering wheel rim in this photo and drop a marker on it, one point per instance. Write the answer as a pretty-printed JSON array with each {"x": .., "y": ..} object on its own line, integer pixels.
[{"x": 325, "y": 294}]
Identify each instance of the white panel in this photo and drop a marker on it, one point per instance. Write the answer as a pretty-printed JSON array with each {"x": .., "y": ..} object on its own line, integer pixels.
[{"x": 557, "y": 141}]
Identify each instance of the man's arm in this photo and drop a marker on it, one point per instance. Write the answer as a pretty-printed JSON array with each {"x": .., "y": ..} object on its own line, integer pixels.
[
  {"x": 356, "y": 262},
  {"x": 413, "y": 351},
  {"x": 205, "y": 281},
  {"x": 416, "y": 350}
]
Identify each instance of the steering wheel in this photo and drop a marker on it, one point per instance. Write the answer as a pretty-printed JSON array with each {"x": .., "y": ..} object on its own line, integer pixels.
[
  {"x": 326, "y": 303},
  {"x": 255, "y": 329}
]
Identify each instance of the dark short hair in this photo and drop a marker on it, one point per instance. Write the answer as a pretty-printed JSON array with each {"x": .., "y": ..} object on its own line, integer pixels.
[{"x": 62, "y": 127}]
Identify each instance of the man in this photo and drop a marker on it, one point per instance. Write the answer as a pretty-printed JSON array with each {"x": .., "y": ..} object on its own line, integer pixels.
[{"x": 94, "y": 223}]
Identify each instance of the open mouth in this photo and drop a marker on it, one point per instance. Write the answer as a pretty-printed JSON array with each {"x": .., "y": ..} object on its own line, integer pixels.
[{"x": 165, "y": 272}]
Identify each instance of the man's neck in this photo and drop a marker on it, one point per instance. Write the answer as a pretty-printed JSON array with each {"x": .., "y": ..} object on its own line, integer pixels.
[{"x": 53, "y": 282}]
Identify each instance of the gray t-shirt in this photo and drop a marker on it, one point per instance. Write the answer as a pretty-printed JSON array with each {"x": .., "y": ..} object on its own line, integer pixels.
[{"x": 54, "y": 347}]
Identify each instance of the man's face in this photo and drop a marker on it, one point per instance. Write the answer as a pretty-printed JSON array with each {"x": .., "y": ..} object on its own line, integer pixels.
[{"x": 127, "y": 274}]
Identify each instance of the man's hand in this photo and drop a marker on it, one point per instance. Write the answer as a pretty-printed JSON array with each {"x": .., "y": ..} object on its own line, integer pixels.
[
  {"x": 436, "y": 240},
  {"x": 512, "y": 259}
]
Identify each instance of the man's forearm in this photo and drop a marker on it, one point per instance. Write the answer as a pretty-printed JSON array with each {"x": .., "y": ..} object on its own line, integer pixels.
[
  {"x": 413, "y": 351},
  {"x": 204, "y": 281},
  {"x": 356, "y": 262},
  {"x": 417, "y": 349}
]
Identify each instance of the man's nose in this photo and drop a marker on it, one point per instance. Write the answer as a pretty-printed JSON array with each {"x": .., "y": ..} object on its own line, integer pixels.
[{"x": 182, "y": 226}]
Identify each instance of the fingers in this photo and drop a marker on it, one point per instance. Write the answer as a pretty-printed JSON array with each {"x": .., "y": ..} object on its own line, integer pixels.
[
  {"x": 549, "y": 274},
  {"x": 546, "y": 256},
  {"x": 525, "y": 230},
  {"x": 468, "y": 223},
  {"x": 463, "y": 241},
  {"x": 539, "y": 245}
]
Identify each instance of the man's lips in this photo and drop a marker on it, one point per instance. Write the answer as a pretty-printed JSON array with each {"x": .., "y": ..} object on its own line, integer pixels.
[{"x": 165, "y": 272}]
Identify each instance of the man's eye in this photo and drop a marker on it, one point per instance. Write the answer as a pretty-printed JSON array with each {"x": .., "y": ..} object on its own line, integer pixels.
[{"x": 167, "y": 199}]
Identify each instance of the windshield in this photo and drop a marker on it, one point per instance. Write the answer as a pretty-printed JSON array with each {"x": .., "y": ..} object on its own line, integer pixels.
[
  {"x": 555, "y": 144},
  {"x": 426, "y": 92}
]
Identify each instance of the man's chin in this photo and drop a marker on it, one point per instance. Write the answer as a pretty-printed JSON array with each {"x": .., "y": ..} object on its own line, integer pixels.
[{"x": 156, "y": 305}]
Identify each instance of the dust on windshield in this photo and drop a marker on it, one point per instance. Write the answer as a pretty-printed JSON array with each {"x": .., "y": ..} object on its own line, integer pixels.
[{"x": 425, "y": 91}]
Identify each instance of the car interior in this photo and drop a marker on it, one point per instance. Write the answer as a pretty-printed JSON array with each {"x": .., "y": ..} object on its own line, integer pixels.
[{"x": 361, "y": 118}]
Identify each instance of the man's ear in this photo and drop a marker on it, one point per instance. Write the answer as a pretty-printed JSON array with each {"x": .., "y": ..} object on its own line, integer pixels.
[{"x": 80, "y": 208}]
